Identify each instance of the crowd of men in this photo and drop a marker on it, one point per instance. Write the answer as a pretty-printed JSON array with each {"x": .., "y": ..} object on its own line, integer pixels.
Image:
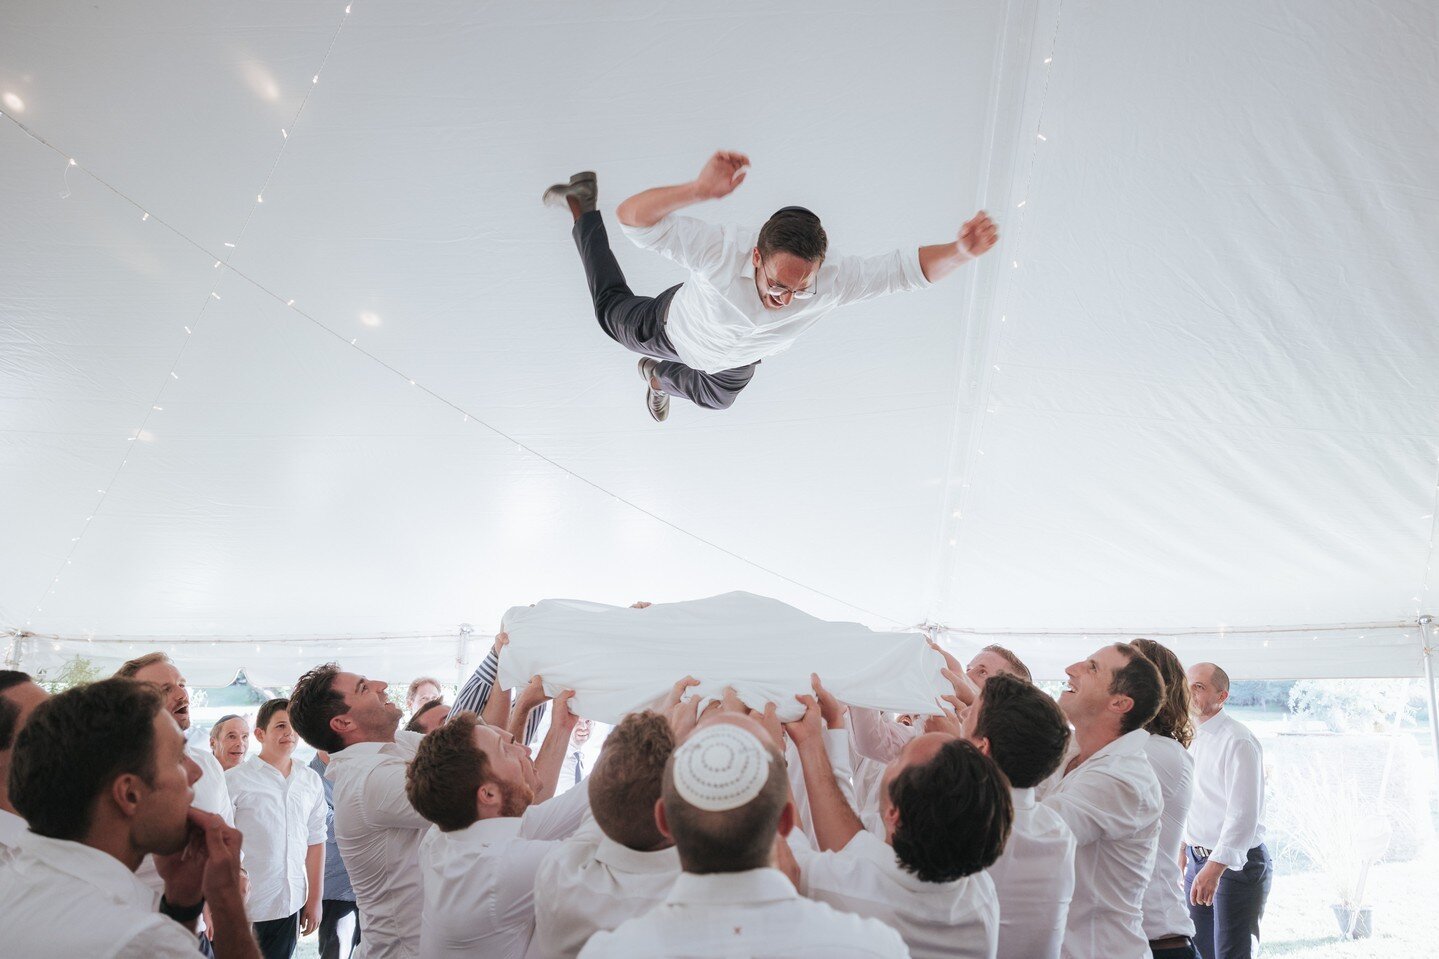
[{"x": 1123, "y": 821}]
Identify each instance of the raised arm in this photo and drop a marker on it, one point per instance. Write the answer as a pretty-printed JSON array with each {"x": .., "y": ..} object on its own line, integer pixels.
[
  {"x": 552, "y": 751},
  {"x": 976, "y": 238},
  {"x": 721, "y": 174},
  {"x": 835, "y": 821}
]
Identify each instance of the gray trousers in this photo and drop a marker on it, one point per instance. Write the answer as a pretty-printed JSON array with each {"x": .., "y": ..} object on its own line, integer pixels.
[{"x": 638, "y": 323}]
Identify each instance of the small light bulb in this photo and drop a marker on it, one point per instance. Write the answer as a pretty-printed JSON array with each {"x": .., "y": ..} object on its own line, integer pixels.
[
  {"x": 1042, "y": 136},
  {"x": 186, "y": 329},
  {"x": 174, "y": 374},
  {"x": 1022, "y": 203},
  {"x": 72, "y": 161},
  {"x": 259, "y": 198},
  {"x": 212, "y": 292},
  {"x": 230, "y": 245},
  {"x": 144, "y": 216}
]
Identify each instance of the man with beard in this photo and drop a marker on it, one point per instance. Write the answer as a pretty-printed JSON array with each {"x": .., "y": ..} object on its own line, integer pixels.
[
  {"x": 212, "y": 794},
  {"x": 1109, "y": 797},
  {"x": 492, "y": 829},
  {"x": 376, "y": 828},
  {"x": 103, "y": 777}
]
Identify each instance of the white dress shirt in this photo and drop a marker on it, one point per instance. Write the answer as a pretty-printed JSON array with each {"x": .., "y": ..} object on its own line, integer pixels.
[
  {"x": 756, "y": 914},
  {"x": 717, "y": 321},
  {"x": 1227, "y": 815},
  {"x": 280, "y": 817},
  {"x": 12, "y": 827},
  {"x": 378, "y": 833},
  {"x": 66, "y": 899},
  {"x": 590, "y": 882},
  {"x": 480, "y": 881},
  {"x": 877, "y": 736},
  {"x": 1034, "y": 879},
  {"x": 1111, "y": 802},
  {"x": 1166, "y": 908},
  {"x": 958, "y": 919}
]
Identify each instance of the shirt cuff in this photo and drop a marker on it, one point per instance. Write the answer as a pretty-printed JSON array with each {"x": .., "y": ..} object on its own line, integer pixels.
[
  {"x": 1231, "y": 857},
  {"x": 913, "y": 272}
]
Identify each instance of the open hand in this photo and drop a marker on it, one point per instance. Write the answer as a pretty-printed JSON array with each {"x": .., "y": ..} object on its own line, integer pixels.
[
  {"x": 721, "y": 174},
  {"x": 979, "y": 235},
  {"x": 561, "y": 718}
]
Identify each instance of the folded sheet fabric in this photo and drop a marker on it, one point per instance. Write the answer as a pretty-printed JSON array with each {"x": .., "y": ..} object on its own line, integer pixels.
[{"x": 619, "y": 659}]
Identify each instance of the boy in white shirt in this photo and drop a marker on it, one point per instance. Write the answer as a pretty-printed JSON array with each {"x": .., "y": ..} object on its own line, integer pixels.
[
  {"x": 618, "y": 865},
  {"x": 280, "y": 809},
  {"x": 947, "y": 813}
]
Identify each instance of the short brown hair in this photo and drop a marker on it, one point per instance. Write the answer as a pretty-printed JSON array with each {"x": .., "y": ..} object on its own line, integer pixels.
[
  {"x": 1139, "y": 679},
  {"x": 74, "y": 746},
  {"x": 628, "y": 779},
  {"x": 1025, "y": 727},
  {"x": 796, "y": 231},
  {"x": 1015, "y": 663},
  {"x": 447, "y": 771},
  {"x": 313, "y": 703},
  {"x": 9, "y": 712},
  {"x": 732, "y": 840},
  {"x": 1172, "y": 719},
  {"x": 268, "y": 711},
  {"x": 130, "y": 667}
]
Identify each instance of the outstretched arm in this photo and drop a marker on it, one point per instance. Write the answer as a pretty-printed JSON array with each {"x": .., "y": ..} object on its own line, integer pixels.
[
  {"x": 721, "y": 174},
  {"x": 976, "y": 237}
]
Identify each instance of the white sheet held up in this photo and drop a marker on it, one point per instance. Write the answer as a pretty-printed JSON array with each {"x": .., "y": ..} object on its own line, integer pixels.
[{"x": 619, "y": 659}]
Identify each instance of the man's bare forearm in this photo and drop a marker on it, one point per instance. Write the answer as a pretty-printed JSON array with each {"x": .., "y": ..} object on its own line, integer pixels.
[
  {"x": 653, "y": 205},
  {"x": 835, "y": 823},
  {"x": 941, "y": 259},
  {"x": 550, "y": 760}
]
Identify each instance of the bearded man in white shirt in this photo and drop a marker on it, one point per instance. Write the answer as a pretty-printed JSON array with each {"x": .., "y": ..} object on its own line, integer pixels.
[
  {"x": 1022, "y": 729},
  {"x": 19, "y": 695},
  {"x": 102, "y": 775},
  {"x": 1227, "y": 866},
  {"x": 495, "y": 819},
  {"x": 280, "y": 807},
  {"x": 947, "y": 814},
  {"x": 1110, "y": 799},
  {"x": 211, "y": 792},
  {"x": 725, "y": 804},
  {"x": 618, "y": 865},
  {"x": 750, "y": 294},
  {"x": 377, "y": 830}
]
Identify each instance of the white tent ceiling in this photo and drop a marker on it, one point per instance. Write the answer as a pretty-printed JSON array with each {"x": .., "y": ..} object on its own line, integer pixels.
[{"x": 1192, "y": 392}]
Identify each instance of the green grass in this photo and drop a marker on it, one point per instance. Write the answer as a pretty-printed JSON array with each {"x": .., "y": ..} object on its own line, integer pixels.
[{"x": 1299, "y": 923}]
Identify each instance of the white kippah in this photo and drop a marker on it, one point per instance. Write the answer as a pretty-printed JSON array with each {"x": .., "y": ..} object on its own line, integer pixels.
[{"x": 721, "y": 767}]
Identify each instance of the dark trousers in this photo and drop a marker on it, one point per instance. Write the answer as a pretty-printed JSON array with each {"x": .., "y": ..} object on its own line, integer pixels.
[
  {"x": 277, "y": 937},
  {"x": 638, "y": 323},
  {"x": 1175, "y": 952},
  {"x": 337, "y": 918},
  {"x": 1228, "y": 929}
]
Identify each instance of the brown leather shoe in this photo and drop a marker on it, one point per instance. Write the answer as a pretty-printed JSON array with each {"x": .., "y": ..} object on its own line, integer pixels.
[
  {"x": 658, "y": 401},
  {"x": 583, "y": 188}
]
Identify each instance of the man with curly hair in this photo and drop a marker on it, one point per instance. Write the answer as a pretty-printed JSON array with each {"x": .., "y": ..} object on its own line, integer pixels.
[{"x": 947, "y": 813}]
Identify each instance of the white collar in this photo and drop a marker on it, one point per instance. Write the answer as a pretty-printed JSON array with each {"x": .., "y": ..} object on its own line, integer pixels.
[
  {"x": 89, "y": 865},
  {"x": 12, "y": 827},
  {"x": 624, "y": 859},
  {"x": 751, "y": 887},
  {"x": 1022, "y": 798},
  {"x": 483, "y": 831}
]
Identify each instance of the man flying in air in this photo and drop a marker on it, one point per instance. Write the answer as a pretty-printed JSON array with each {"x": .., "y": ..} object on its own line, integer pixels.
[{"x": 750, "y": 294}]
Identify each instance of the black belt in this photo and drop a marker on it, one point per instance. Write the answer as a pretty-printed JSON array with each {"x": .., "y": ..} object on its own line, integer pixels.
[
  {"x": 1201, "y": 852},
  {"x": 1170, "y": 942}
]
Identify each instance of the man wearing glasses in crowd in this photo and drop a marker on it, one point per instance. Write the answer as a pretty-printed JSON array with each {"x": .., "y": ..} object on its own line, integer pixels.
[{"x": 750, "y": 294}]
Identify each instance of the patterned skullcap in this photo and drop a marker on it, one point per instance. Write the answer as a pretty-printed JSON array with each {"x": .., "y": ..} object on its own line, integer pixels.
[{"x": 721, "y": 767}]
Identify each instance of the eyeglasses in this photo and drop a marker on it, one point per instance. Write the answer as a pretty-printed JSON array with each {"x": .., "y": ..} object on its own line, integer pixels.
[{"x": 778, "y": 291}]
